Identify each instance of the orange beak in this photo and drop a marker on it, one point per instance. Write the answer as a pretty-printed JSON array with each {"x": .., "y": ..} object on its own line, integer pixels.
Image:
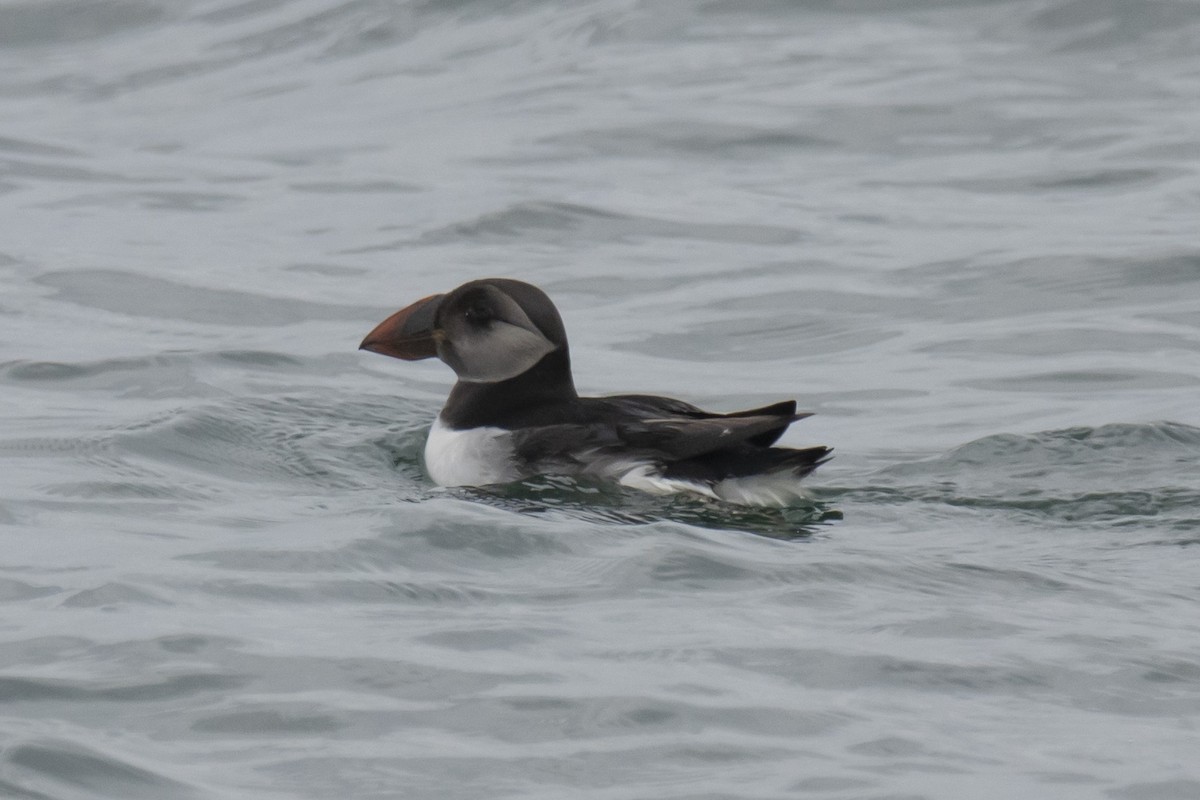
[{"x": 407, "y": 334}]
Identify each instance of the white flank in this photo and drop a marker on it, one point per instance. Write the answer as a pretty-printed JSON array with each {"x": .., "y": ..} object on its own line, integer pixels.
[
  {"x": 773, "y": 489},
  {"x": 482, "y": 456},
  {"x": 648, "y": 478},
  {"x": 474, "y": 457}
]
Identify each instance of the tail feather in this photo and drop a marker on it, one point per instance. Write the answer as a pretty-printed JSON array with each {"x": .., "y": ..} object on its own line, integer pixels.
[
  {"x": 770, "y": 476},
  {"x": 798, "y": 461}
]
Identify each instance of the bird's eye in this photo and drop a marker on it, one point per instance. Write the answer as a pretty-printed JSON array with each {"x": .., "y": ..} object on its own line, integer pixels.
[{"x": 478, "y": 313}]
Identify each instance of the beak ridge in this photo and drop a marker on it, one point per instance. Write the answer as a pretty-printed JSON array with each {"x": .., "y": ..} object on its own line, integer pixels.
[{"x": 409, "y": 333}]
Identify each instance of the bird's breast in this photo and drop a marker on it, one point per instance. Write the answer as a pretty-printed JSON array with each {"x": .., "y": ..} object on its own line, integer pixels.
[{"x": 470, "y": 457}]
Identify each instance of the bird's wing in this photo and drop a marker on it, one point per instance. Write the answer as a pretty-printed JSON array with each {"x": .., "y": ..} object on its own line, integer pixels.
[
  {"x": 679, "y": 438},
  {"x": 652, "y": 407},
  {"x": 659, "y": 428}
]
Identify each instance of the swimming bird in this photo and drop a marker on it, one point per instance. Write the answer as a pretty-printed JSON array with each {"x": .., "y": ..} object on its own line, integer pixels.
[{"x": 514, "y": 412}]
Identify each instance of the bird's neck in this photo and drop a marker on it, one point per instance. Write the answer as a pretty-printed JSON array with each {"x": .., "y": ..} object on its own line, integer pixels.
[{"x": 548, "y": 382}]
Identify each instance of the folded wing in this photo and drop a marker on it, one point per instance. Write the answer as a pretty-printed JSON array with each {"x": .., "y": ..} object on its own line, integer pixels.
[{"x": 682, "y": 440}]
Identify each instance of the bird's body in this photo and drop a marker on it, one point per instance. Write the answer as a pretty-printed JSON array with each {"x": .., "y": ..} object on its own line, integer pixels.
[{"x": 514, "y": 412}]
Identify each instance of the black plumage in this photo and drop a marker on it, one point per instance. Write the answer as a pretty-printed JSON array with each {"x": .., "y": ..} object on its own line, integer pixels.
[
  {"x": 684, "y": 441},
  {"x": 508, "y": 345}
]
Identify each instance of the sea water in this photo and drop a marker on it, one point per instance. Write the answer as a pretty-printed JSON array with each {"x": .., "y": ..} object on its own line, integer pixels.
[{"x": 963, "y": 233}]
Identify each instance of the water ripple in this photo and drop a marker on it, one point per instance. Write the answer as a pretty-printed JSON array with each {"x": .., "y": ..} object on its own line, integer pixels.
[
  {"x": 79, "y": 768},
  {"x": 140, "y": 295},
  {"x": 562, "y": 222}
]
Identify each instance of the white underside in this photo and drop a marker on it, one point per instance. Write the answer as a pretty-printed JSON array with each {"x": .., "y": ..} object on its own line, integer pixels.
[
  {"x": 472, "y": 457},
  {"x": 482, "y": 456},
  {"x": 772, "y": 489}
]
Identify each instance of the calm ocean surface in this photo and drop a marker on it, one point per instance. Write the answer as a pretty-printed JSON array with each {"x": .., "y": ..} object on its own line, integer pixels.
[{"x": 966, "y": 234}]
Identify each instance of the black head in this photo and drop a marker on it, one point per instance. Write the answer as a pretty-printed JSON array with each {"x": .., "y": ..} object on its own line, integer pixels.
[{"x": 487, "y": 331}]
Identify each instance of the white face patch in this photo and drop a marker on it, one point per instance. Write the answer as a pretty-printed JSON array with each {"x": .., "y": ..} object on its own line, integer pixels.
[
  {"x": 500, "y": 344},
  {"x": 501, "y": 352}
]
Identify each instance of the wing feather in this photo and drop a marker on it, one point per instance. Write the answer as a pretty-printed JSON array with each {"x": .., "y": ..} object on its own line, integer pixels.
[
  {"x": 687, "y": 438},
  {"x": 663, "y": 438}
]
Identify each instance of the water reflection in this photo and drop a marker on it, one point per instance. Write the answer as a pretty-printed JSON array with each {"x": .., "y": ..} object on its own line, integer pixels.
[{"x": 607, "y": 503}]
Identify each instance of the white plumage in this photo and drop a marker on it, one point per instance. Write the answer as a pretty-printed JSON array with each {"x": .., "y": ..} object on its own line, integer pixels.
[
  {"x": 472, "y": 457},
  {"x": 483, "y": 456}
]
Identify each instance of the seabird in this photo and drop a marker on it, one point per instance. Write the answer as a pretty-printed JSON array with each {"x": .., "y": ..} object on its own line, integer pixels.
[{"x": 514, "y": 412}]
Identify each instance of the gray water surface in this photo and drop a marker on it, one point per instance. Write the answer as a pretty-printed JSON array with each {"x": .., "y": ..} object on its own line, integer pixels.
[{"x": 963, "y": 233}]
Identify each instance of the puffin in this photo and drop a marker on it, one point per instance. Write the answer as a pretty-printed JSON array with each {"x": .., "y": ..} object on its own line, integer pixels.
[{"x": 514, "y": 413}]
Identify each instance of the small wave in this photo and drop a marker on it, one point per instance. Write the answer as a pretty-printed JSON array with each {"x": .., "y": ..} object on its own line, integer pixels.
[
  {"x": 1119, "y": 445},
  {"x": 325, "y": 442},
  {"x": 16, "y": 688},
  {"x": 278, "y": 720},
  {"x": 690, "y": 138},
  {"x": 567, "y": 221},
  {"x": 1083, "y": 26},
  {"x": 1111, "y": 474},
  {"x": 611, "y": 504},
  {"x": 48, "y": 23},
  {"x": 138, "y": 295},
  {"x": 99, "y": 774},
  {"x": 177, "y": 374}
]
